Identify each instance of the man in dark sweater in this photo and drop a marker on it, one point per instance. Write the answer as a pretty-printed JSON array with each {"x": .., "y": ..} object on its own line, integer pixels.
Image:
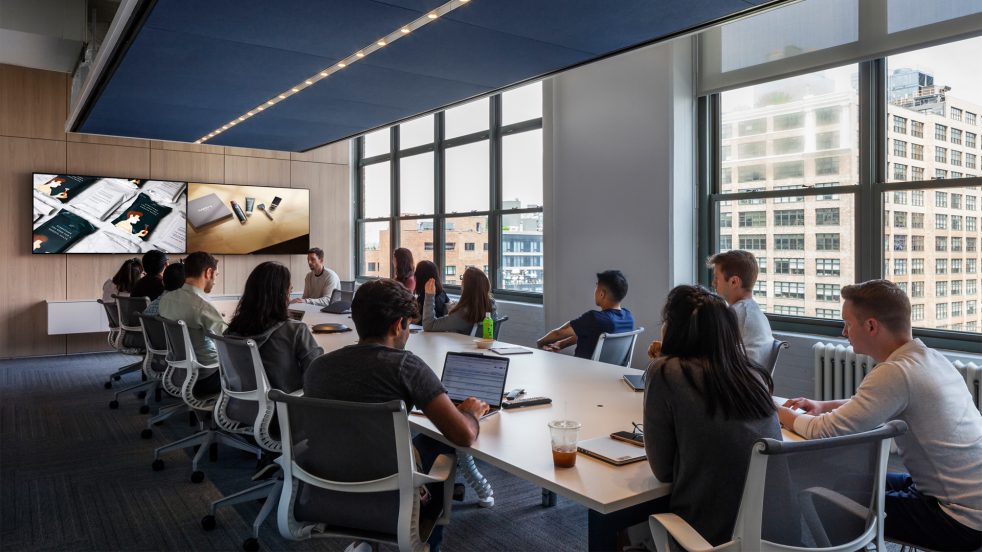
[
  {"x": 152, "y": 283},
  {"x": 379, "y": 369}
]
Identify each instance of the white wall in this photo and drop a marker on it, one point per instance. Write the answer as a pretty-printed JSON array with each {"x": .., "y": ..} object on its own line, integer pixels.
[{"x": 619, "y": 186}]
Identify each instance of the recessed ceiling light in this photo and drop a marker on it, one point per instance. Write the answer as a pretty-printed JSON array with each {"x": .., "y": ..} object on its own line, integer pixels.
[
  {"x": 381, "y": 43},
  {"x": 360, "y": 54},
  {"x": 405, "y": 30},
  {"x": 432, "y": 15},
  {"x": 309, "y": 82},
  {"x": 282, "y": 96},
  {"x": 323, "y": 73},
  {"x": 295, "y": 89},
  {"x": 260, "y": 108},
  {"x": 342, "y": 64}
]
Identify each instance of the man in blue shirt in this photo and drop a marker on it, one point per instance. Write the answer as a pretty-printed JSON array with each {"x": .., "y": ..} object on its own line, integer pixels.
[{"x": 585, "y": 330}]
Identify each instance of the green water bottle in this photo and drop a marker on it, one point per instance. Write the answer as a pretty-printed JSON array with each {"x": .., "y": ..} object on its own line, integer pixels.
[{"x": 487, "y": 327}]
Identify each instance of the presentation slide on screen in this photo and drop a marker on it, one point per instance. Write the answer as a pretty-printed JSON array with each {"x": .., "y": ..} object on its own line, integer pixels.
[
  {"x": 92, "y": 214},
  {"x": 229, "y": 220}
]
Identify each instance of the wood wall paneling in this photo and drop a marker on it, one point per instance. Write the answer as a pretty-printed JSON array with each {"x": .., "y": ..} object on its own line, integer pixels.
[
  {"x": 330, "y": 211},
  {"x": 105, "y": 160},
  {"x": 26, "y": 280},
  {"x": 33, "y": 109},
  {"x": 182, "y": 165},
  {"x": 33, "y": 103}
]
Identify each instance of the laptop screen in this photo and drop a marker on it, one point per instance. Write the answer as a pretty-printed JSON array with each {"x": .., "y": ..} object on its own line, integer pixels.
[{"x": 474, "y": 375}]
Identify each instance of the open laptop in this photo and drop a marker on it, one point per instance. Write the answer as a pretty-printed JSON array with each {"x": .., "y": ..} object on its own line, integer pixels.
[{"x": 475, "y": 375}]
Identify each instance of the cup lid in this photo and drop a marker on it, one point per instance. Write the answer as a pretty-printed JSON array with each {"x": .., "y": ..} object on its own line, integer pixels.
[{"x": 565, "y": 424}]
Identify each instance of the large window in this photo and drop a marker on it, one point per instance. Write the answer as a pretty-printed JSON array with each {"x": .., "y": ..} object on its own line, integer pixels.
[
  {"x": 463, "y": 188},
  {"x": 890, "y": 201}
]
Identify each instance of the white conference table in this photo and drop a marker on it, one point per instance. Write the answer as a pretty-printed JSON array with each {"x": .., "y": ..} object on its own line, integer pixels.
[{"x": 517, "y": 441}]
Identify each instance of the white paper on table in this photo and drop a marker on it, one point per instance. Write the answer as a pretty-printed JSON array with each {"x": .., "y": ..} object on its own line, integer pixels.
[
  {"x": 102, "y": 201},
  {"x": 104, "y": 242},
  {"x": 171, "y": 234},
  {"x": 164, "y": 190}
]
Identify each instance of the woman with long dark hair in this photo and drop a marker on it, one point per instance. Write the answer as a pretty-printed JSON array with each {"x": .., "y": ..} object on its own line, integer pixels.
[
  {"x": 705, "y": 404},
  {"x": 426, "y": 271},
  {"x": 475, "y": 302},
  {"x": 286, "y": 346},
  {"x": 403, "y": 263},
  {"x": 123, "y": 281}
]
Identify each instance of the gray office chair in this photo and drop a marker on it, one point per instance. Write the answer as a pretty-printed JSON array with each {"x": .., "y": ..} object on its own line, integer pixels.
[
  {"x": 181, "y": 359},
  {"x": 775, "y": 352},
  {"x": 244, "y": 408},
  {"x": 616, "y": 348},
  {"x": 156, "y": 340},
  {"x": 349, "y": 473},
  {"x": 116, "y": 342},
  {"x": 131, "y": 333},
  {"x": 478, "y": 328},
  {"x": 823, "y": 494},
  {"x": 342, "y": 295}
]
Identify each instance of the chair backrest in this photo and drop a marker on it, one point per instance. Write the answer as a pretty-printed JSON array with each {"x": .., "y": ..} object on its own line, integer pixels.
[
  {"x": 775, "y": 352},
  {"x": 153, "y": 334},
  {"x": 244, "y": 386},
  {"x": 178, "y": 339},
  {"x": 822, "y": 493},
  {"x": 112, "y": 313},
  {"x": 353, "y": 462},
  {"x": 342, "y": 295},
  {"x": 347, "y": 285},
  {"x": 498, "y": 322},
  {"x": 616, "y": 348},
  {"x": 129, "y": 308}
]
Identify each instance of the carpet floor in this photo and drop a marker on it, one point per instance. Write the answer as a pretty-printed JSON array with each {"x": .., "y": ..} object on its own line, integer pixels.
[{"x": 75, "y": 475}]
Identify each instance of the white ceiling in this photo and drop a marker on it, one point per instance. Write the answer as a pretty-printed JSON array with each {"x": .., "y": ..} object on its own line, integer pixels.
[{"x": 42, "y": 34}]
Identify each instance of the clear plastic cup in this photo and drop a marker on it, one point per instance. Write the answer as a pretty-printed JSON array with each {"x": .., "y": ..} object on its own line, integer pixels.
[{"x": 564, "y": 435}]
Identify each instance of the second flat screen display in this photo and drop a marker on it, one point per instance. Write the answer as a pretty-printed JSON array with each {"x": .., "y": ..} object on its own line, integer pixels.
[{"x": 231, "y": 220}]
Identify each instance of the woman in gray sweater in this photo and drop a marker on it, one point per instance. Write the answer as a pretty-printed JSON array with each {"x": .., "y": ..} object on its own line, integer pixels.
[
  {"x": 475, "y": 302},
  {"x": 705, "y": 404}
]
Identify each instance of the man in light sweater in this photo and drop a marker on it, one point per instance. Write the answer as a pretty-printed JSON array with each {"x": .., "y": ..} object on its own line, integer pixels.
[
  {"x": 938, "y": 505},
  {"x": 320, "y": 282},
  {"x": 734, "y": 276}
]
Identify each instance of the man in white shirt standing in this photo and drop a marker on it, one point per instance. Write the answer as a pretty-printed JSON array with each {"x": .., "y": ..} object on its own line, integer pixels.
[
  {"x": 320, "y": 282},
  {"x": 734, "y": 276},
  {"x": 938, "y": 505}
]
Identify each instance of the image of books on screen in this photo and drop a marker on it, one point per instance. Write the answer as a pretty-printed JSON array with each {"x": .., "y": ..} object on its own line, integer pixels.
[
  {"x": 229, "y": 220},
  {"x": 96, "y": 214}
]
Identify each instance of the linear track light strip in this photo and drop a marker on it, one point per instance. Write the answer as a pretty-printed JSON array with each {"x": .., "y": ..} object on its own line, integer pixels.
[{"x": 376, "y": 45}]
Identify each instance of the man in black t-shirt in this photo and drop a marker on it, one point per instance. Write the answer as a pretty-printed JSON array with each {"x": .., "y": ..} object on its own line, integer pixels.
[
  {"x": 379, "y": 369},
  {"x": 152, "y": 283}
]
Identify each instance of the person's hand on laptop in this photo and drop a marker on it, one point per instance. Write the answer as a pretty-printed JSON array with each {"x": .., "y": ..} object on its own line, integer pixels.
[
  {"x": 809, "y": 406},
  {"x": 296, "y": 300},
  {"x": 474, "y": 406}
]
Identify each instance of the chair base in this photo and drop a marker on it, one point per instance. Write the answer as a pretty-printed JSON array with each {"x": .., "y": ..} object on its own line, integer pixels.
[
  {"x": 129, "y": 368},
  {"x": 204, "y": 440},
  {"x": 268, "y": 491},
  {"x": 476, "y": 481}
]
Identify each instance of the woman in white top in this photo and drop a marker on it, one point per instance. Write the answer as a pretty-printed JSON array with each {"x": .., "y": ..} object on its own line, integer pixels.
[{"x": 123, "y": 281}]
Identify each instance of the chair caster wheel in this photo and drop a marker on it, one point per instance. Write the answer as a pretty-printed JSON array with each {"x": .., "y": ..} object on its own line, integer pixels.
[
  {"x": 197, "y": 476},
  {"x": 144, "y": 409},
  {"x": 117, "y": 378},
  {"x": 141, "y": 395},
  {"x": 486, "y": 502},
  {"x": 250, "y": 545},
  {"x": 113, "y": 405},
  {"x": 157, "y": 465},
  {"x": 108, "y": 385},
  {"x": 208, "y": 522},
  {"x": 146, "y": 434}
]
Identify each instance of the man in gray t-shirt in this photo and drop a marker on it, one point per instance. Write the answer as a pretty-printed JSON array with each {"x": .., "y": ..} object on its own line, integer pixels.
[
  {"x": 734, "y": 276},
  {"x": 379, "y": 369}
]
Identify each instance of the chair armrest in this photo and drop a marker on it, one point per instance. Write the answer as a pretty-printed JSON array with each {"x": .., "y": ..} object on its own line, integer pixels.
[
  {"x": 663, "y": 525},
  {"x": 297, "y": 393},
  {"x": 844, "y": 502},
  {"x": 440, "y": 471}
]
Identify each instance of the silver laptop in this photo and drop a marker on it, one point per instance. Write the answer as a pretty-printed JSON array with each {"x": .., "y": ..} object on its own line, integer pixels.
[{"x": 475, "y": 375}]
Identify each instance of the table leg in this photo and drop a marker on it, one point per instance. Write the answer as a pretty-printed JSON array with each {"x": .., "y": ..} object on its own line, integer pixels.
[
  {"x": 548, "y": 498},
  {"x": 603, "y": 529}
]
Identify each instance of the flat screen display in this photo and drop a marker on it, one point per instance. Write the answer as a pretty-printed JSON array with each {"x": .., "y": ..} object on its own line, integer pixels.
[
  {"x": 95, "y": 214},
  {"x": 232, "y": 220}
]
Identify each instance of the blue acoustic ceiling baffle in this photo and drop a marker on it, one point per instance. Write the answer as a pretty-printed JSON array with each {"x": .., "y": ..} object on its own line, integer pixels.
[{"x": 192, "y": 66}]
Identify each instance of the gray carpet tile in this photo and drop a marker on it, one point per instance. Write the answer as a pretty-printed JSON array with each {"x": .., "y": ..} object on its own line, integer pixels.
[{"x": 75, "y": 475}]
